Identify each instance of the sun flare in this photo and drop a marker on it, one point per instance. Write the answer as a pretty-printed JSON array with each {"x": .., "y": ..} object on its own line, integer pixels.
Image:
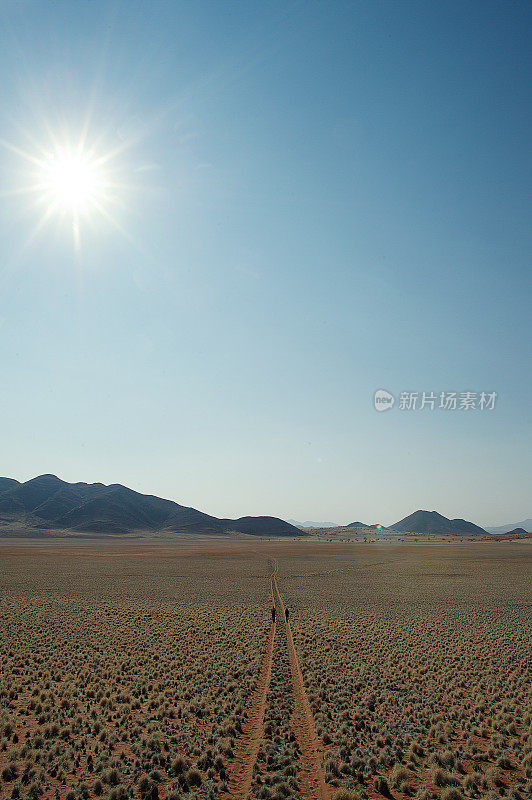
[{"x": 73, "y": 181}]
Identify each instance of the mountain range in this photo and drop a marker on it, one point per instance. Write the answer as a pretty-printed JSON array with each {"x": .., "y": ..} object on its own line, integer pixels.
[
  {"x": 526, "y": 525},
  {"x": 47, "y": 503},
  {"x": 309, "y": 524},
  {"x": 361, "y": 525},
  {"x": 429, "y": 522},
  {"x": 422, "y": 522}
]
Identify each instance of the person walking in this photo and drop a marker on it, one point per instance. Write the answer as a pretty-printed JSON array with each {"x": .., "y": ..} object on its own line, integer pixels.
[
  {"x": 286, "y": 614},
  {"x": 273, "y": 613}
]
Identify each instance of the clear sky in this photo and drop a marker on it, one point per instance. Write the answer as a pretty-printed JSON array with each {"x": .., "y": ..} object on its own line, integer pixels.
[{"x": 309, "y": 201}]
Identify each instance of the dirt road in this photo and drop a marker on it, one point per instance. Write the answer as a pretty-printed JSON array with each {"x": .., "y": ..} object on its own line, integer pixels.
[
  {"x": 311, "y": 777},
  {"x": 312, "y": 784},
  {"x": 241, "y": 767}
]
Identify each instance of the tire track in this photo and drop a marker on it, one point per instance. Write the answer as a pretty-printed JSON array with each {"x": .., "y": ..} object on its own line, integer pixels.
[
  {"x": 311, "y": 777},
  {"x": 241, "y": 767}
]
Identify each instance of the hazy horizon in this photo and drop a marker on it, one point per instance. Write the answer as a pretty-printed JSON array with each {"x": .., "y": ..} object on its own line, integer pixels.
[
  {"x": 288, "y": 206},
  {"x": 372, "y": 521}
]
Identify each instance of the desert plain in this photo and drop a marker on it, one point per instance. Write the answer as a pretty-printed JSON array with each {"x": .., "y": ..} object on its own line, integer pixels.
[{"x": 140, "y": 669}]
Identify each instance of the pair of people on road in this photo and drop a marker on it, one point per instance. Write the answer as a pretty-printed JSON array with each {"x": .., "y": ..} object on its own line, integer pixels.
[{"x": 273, "y": 613}]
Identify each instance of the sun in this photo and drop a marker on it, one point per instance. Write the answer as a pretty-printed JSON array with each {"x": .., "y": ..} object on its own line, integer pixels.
[
  {"x": 77, "y": 181},
  {"x": 73, "y": 181}
]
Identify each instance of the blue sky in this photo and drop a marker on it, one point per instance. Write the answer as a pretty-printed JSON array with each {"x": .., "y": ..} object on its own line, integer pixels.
[{"x": 317, "y": 200}]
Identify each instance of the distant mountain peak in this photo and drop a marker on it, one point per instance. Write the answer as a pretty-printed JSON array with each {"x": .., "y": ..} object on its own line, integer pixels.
[
  {"x": 525, "y": 524},
  {"x": 312, "y": 524},
  {"x": 433, "y": 522}
]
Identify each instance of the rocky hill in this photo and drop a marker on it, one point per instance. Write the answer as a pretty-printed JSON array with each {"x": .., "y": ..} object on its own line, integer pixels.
[{"x": 432, "y": 522}]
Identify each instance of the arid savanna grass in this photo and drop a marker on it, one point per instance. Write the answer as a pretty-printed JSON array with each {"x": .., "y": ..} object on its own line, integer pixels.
[{"x": 128, "y": 671}]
